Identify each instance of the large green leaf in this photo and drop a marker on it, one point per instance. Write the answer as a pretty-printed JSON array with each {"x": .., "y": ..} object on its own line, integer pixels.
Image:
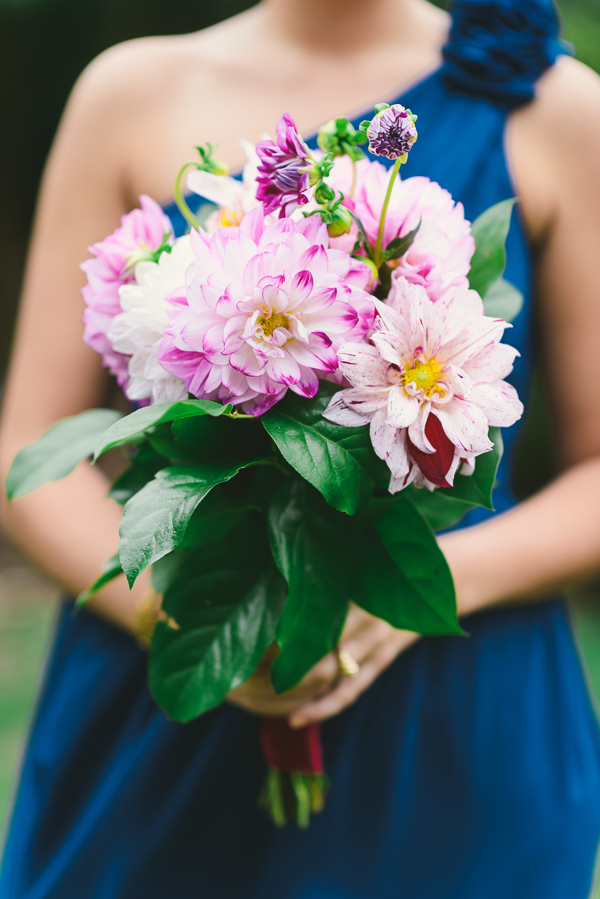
[
  {"x": 477, "y": 488},
  {"x": 444, "y": 507},
  {"x": 207, "y": 439},
  {"x": 134, "y": 426},
  {"x": 110, "y": 570},
  {"x": 58, "y": 451},
  {"x": 214, "y": 518},
  {"x": 490, "y": 231},
  {"x": 439, "y": 511},
  {"x": 503, "y": 300},
  {"x": 312, "y": 546},
  {"x": 164, "y": 570},
  {"x": 144, "y": 466},
  {"x": 155, "y": 519},
  {"x": 226, "y": 600},
  {"x": 332, "y": 458},
  {"x": 407, "y": 581}
]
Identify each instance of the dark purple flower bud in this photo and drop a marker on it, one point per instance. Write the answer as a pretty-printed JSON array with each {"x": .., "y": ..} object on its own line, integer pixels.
[
  {"x": 392, "y": 132},
  {"x": 283, "y": 173}
]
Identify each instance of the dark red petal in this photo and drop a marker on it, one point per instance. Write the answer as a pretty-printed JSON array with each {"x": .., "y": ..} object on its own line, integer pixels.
[{"x": 435, "y": 466}]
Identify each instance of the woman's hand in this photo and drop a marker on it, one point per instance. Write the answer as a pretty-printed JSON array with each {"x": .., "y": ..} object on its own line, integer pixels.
[{"x": 324, "y": 691}]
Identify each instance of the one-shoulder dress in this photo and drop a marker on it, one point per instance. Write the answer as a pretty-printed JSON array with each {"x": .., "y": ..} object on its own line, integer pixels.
[{"x": 469, "y": 770}]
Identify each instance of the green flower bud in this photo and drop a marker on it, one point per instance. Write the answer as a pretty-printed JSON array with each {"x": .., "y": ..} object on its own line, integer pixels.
[
  {"x": 210, "y": 163},
  {"x": 339, "y": 138},
  {"x": 324, "y": 193},
  {"x": 341, "y": 222}
]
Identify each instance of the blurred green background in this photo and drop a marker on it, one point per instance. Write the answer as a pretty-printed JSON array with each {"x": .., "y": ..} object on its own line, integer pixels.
[{"x": 44, "y": 44}]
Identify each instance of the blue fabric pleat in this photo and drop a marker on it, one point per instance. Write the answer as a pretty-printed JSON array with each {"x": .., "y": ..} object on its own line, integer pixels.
[{"x": 469, "y": 770}]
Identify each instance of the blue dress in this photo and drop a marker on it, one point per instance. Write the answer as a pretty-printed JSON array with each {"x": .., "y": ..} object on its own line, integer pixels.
[{"x": 469, "y": 770}]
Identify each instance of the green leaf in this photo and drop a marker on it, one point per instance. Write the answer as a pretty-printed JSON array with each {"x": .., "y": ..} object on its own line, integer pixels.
[
  {"x": 226, "y": 600},
  {"x": 144, "y": 466},
  {"x": 155, "y": 519},
  {"x": 310, "y": 545},
  {"x": 362, "y": 238},
  {"x": 400, "y": 245},
  {"x": 164, "y": 570},
  {"x": 110, "y": 570},
  {"x": 490, "y": 231},
  {"x": 407, "y": 581},
  {"x": 58, "y": 451},
  {"x": 134, "y": 426},
  {"x": 206, "y": 439},
  {"x": 332, "y": 458},
  {"x": 503, "y": 300},
  {"x": 439, "y": 511},
  {"x": 477, "y": 488},
  {"x": 214, "y": 518}
]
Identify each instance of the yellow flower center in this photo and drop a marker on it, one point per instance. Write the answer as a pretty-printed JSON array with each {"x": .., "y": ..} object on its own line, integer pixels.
[
  {"x": 424, "y": 374},
  {"x": 277, "y": 320},
  {"x": 229, "y": 218}
]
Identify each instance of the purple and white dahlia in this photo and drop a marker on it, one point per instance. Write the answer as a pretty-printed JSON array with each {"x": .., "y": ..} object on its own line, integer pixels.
[
  {"x": 283, "y": 172},
  {"x": 392, "y": 132},
  {"x": 266, "y": 308}
]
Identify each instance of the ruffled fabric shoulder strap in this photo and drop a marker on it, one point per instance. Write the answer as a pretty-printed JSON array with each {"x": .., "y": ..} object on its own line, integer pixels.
[{"x": 497, "y": 51}]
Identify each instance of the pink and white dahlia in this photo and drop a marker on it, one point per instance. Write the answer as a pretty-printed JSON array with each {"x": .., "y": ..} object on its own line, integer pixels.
[
  {"x": 440, "y": 256},
  {"x": 137, "y": 331},
  {"x": 430, "y": 383},
  {"x": 266, "y": 308},
  {"x": 283, "y": 170},
  {"x": 141, "y": 234}
]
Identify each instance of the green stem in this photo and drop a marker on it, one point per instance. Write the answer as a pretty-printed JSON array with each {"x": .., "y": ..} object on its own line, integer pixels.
[
  {"x": 235, "y": 414},
  {"x": 180, "y": 200},
  {"x": 378, "y": 255},
  {"x": 353, "y": 178}
]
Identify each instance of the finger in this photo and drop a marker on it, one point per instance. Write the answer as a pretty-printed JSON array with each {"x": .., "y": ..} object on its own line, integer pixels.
[
  {"x": 273, "y": 708},
  {"x": 319, "y": 679},
  {"x": 341, "y": 696},
  {"x": 348, "y": 690}
]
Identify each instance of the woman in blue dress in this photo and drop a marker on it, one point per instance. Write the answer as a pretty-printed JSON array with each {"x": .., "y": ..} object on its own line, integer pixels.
[{"x": 462, "y": 768}]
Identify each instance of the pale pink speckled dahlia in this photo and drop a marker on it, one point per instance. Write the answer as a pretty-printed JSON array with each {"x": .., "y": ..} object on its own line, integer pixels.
[
  {"x": 440, "y": 255},
  {"x": 430, "y": 383},
  {"x": 141, "y": 233},
  {"x": 266, "y": 308}
]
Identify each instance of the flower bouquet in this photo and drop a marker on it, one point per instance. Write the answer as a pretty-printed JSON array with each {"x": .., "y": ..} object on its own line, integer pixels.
[{"x": 319, "y": 379}]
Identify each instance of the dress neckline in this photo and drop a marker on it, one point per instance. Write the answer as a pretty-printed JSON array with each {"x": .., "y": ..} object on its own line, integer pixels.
[
  {"x": 311, "y": 140},
  {"x": 397, "y": 98}
]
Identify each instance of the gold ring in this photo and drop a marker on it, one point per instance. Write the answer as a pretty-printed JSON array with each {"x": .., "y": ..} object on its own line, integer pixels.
[{"x": 347, "y": 664}]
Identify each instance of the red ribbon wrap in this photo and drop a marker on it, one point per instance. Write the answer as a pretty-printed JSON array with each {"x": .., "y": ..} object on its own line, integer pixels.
[{"x": 297, "y": 750}]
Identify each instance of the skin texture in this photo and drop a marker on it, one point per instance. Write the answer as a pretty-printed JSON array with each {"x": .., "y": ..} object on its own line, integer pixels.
[{"x": 133, "y": 119}]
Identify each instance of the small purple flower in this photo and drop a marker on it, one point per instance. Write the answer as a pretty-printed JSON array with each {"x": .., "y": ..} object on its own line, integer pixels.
[
  {"x": 392, "y": 132},
  {"x": 283, "y": 173}
]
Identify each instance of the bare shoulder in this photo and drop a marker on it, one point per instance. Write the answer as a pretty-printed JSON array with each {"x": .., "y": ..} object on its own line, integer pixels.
[
  {"x": 567, "y": 100},
  {"x": 129, "y": 74},
  {"x": 553, "y": 143},
  {"x": 147, "y": 69}
]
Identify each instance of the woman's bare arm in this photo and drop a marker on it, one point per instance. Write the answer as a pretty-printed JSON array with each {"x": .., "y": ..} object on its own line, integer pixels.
[
  {"x": 69, "y": 528},
  {"x": 552, "y": 541}
]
